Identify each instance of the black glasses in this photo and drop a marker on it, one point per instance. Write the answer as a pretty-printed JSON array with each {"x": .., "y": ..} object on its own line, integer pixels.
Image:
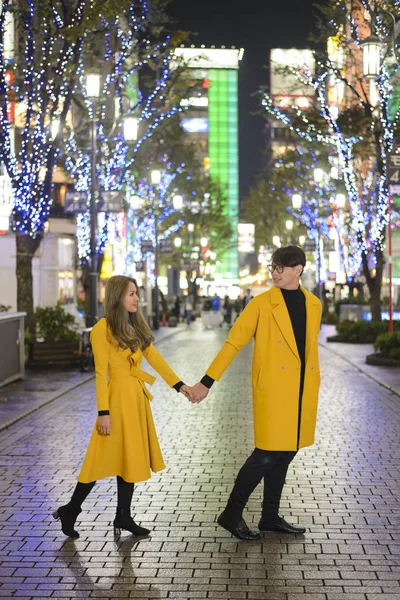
[{"x": 277, "y": 268}]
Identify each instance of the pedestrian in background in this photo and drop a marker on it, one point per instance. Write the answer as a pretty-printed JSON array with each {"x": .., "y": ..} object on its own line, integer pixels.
[
  {"x": 216, "y": 303},
  {"x": 189, "y": 306},
  {"x": 227, "y": 308},
  {"x": 237, "y": 306},
  {"x": 246, "y": 299},
  {"x": 177, "y": 308},
  {"x": 284, "y": 322},
  {"x": 124, "y": 441}
]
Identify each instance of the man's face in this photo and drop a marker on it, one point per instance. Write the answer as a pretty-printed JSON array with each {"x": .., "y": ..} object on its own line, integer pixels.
[{"x": 288, "y": 279}]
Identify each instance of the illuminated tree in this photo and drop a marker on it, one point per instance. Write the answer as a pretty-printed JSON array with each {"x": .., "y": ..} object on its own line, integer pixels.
[
  {"x": 41, "y": 77},
  {"x": 355, "y": 127}
]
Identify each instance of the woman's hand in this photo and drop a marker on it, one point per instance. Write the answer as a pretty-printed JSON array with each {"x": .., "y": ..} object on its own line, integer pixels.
[
  {"x": 104, "y": 425},
  {"x": 186, "y": 391}
]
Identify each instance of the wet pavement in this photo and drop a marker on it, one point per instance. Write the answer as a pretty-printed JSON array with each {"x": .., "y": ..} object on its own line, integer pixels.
[{"x": 345, "y": 489}]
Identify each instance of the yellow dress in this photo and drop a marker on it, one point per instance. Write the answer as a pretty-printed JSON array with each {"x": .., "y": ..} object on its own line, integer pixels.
[{"x": 132, "y": 448}]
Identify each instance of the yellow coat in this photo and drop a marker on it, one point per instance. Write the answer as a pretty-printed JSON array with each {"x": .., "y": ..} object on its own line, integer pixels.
[
  {"x": 132, "y": 448},
  {"x": 276, "y": 369}
]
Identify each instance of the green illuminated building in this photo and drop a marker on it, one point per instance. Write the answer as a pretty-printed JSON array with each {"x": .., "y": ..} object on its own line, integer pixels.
[{"x": 214, "y": 119}]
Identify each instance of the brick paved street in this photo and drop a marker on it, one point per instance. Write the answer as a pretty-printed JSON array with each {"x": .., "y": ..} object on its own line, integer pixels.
[{"x": 345, "y": 489}]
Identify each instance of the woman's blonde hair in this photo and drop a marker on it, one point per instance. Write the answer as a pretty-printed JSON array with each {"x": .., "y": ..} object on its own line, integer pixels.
[{"x": 128, "y": 330}]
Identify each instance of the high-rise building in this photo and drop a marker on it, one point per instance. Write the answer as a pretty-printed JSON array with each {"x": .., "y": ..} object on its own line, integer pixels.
[{"x": 213, "y": 117}]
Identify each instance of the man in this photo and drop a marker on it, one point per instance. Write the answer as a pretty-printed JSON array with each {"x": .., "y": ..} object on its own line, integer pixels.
[
  {"x": 246, "y": 298},
  {"x": 284, "y": 322}
]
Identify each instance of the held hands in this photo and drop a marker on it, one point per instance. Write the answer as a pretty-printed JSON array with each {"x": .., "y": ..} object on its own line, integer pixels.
[
  {"x": 186, "y": 391},
  {"x": 198, "y": 393}
]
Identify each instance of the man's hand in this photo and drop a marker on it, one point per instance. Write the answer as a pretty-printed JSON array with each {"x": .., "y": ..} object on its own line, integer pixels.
[
  {"x": 199, "y": 392},
  {"x": 104, "y": 425},
  {"x": 186, "y": 391}
]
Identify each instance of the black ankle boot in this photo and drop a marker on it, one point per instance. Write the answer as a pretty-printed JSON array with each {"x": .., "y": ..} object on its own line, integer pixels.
[
  {"x": 123, "y": 520},
  {"x": 68, "y": 517}
]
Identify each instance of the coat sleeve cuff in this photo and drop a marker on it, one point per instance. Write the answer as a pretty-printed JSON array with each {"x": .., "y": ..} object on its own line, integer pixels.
[
  {"x": 103, "y": 413},
  {"x": 178, "y": 385},
  {"x": 207, "y": 381}
]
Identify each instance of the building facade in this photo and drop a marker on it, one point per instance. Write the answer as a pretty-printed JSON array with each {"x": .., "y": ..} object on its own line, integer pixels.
[{"x": 212, "y": 119}]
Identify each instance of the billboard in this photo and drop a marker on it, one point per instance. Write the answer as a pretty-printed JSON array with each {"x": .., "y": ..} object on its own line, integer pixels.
[
  {"x": 246, "y": 237},
  {"x": 285, "y": 88}
]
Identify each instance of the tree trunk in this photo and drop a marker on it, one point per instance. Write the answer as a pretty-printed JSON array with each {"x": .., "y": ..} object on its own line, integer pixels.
[
  {"x": 26, "y": 248},
  {"x": 375, "y": 284}
]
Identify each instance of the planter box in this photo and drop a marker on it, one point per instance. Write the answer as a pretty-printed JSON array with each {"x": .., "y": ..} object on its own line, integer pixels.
[
  {"x": 57, "y": 354},
  {"x": 381, "y": 361},
  {"x": 172, "y": 322}
]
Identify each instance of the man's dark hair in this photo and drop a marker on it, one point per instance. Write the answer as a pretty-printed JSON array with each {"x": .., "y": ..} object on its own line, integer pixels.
[{"x": 289, "y": 256}]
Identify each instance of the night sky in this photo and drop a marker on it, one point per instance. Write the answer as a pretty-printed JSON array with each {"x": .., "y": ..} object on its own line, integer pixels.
[{"x": 266, "y": 24}]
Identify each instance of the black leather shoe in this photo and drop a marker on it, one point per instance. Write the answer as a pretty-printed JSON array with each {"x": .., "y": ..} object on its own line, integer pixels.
[
  {"x": 239, "y": 530},
  {"x": 279, "y": 525}
]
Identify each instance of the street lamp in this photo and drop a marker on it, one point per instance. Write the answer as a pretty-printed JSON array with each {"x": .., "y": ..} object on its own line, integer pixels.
[
  {"x": 340, "y": 200},
  {"x": 276, "y": 240},
  {"x": 297, "y": 201},
  {"x": 318, "y": 175},
  {"x": 371, "y": 49},
  {"x": 177, "y": 202},
  {"x": 93, "y": 93},
  {"x": 155, "y": 177},
  {"x": 130, "y": 129}
]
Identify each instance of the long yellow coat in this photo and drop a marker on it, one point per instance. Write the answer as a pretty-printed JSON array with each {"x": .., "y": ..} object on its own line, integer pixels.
[
  {"x": 276, "y": 369},
  {"x": 132, "y": 448}
]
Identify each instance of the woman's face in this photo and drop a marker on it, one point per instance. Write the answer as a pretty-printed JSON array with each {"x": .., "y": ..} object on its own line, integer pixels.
[{"x": 131, "y": 298}]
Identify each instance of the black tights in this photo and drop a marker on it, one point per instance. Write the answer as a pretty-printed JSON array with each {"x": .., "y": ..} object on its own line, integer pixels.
[
  {"x": 269, "y": 465},
  {"x": 124, "y": 494}
]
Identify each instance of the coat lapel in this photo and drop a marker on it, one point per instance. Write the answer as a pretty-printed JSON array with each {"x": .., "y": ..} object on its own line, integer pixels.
[{"x": 281, "y": 316}]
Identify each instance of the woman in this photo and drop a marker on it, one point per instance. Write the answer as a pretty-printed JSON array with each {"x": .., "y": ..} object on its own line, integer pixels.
[{"x": 124, "y": 441}]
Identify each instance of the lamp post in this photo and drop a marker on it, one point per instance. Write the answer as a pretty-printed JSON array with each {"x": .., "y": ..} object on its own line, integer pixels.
[
  {"x": 289, "y": 228},
  {"x": 372, "y": 51},
  {"x": 93, "y": 93},
  {"x": 155, "y": 177}
]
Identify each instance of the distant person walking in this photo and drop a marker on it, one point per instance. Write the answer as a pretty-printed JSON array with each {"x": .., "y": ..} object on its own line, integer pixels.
[
  {"x": 124, "y": 441},
  {"x": 216, "y": 303},
  {"x": 246, "y": 298},
  {"x": 189, "y": 307}
]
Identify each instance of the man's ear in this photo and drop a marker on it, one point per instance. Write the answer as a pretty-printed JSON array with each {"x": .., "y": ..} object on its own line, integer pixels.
[{"x": 300, "y": 270}]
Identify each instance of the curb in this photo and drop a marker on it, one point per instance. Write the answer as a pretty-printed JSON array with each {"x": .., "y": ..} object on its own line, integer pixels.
[
  {"x": 69, "y": 389},
  {"x": 364, "y": 371}
]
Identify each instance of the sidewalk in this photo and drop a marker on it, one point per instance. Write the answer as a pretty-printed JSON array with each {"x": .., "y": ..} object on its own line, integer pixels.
[
  {"x": 39, "y": 387},
  {"x": 355, "y": 354}
]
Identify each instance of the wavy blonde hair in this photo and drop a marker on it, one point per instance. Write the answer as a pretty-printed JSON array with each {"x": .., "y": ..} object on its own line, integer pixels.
[{"x": 128, "y": 330}]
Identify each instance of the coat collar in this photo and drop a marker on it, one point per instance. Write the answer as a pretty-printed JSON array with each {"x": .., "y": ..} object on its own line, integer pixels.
[{"x": 281, "y": 315}]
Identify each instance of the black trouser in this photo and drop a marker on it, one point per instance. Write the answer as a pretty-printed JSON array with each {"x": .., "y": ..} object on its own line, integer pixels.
[
  {"x": 124, "y": 494},
  {"x": 269, "y": 465}
]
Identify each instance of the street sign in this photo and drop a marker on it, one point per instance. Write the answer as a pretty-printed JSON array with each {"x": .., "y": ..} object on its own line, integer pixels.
[
  {"x": 146, "y": 246},
  {"x": 166, "y": 246},
  {"x": 393, "y": 170},
  {"x": 309, "y": 245},
  {"x": 329, "y": 245},
  {"x": 111, "y": 201},
  {"x": 77, "y": 202}
]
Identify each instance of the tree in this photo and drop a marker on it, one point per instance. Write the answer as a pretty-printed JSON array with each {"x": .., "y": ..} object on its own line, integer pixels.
[
  {"x": 356, "y": 129},
  {"x": 40, "y": 79}
]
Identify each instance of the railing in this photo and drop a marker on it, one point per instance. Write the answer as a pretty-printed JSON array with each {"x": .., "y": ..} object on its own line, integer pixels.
[{"x": 12, "y": 364}]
